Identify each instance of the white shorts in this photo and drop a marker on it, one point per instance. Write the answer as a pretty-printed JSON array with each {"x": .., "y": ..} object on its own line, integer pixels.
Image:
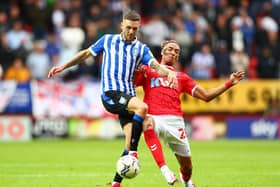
[{"x": 172, "y": 130}]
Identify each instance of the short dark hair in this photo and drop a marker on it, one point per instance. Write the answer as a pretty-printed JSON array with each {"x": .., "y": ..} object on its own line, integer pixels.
[{"x": 132, "y": 15}]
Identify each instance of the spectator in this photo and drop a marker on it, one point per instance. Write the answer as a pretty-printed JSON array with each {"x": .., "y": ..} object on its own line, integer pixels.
[
  {"x": 222, "y": 60},
  {"x": 245, "y": 24},
  {"x": 181, "y": 35},
  {"x": 105, "y": 25},
  {"x": 91, "y": 68},
  {"x": 73, "y": 28},
  {"x": 222, "y": 30},
  {"x": 238, "y": 58},
  {"x": 18, "y": 71},
  {"x": 268, "y": 66},
  {"x": 37, "y": 13},
  {"x": 58, "y": 17},
  {"x": 203, "y": 63},
  {"x": 71, "y": 45},
  {"x": 6, "y": 54},
  {"x": 14, "y": 13},
  {"x": 155, "y": 31},
  {"x": 197, "y": 41},
  {"x": 3, "y": 21},
  {"x": 52, "y": 46},
  {"x": 94, "y": 13},
  {"x": 18, "y": 38},
  {"x": 38, "y": 61}
]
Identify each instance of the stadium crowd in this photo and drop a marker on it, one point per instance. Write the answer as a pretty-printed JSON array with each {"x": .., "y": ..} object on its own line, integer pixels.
[{"x": 217, "y": 37}]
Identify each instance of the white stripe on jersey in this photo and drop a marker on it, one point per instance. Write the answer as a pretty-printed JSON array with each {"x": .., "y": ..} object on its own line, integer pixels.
[
  {"x": 141, "y": 53},
  {"x": 127, "y": 75},
  {"x": 113, "y": 62},
  {"x": 121, "y": 47},
  {"x": 106, "y": 66}
]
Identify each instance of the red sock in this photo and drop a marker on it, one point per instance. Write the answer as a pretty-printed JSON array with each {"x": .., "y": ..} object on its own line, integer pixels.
[
  {"x": 154, "y": 145},
  {"x": 184, "y": 175}
]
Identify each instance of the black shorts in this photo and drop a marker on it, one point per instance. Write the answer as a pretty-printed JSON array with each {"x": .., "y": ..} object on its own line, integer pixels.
[{"x": 116, "y": 102}]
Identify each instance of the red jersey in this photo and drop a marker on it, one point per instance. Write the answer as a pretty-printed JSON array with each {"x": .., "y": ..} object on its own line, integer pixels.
[{"x": 161, "y": 99}]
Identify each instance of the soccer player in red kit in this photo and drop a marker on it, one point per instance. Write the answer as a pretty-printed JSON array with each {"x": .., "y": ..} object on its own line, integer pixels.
[{"x": 165, "y": 114}]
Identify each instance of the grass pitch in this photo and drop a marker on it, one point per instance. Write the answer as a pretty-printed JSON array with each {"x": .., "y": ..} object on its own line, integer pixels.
[{"x": 91, "y": 163}]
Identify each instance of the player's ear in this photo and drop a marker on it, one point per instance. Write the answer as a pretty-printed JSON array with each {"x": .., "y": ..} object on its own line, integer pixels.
[
  {"x": 121, "y": 25},
  {"x": 162, "y": 52}
]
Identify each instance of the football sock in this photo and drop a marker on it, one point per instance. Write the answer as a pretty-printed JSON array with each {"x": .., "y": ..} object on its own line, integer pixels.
[
  {"x": 190, "y": 183},
  {"x": 154, "y": 145},
  {"x": 117, "y": 177},
  {"x": 185, "y": 176},
  {"x": 136, "y": 132},
  {"x": 125, "y": 152}
]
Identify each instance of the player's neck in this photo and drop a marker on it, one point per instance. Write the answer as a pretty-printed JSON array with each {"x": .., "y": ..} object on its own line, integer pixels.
[
  {"x": 124, "y": 39},
  {"x": 166, "y": 64}
]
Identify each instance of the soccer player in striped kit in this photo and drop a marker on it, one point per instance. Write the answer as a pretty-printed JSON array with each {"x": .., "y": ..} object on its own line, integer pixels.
[
  {"x": 122, "y": 54},
  {"x": 165, "y": 115}
]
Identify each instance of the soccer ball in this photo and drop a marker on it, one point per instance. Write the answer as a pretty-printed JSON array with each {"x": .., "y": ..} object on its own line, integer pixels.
[{"x": 128, "y": 166}]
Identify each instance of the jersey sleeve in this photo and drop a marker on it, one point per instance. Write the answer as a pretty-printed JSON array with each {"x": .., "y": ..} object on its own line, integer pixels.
[
  {"x": 97, "y": 47},
  {"x": 148, "y": 56},
  {"x": 188, "y": 84}
]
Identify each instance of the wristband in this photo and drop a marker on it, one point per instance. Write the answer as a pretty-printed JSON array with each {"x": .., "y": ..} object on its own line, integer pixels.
[{"x": 228, "y": 84}]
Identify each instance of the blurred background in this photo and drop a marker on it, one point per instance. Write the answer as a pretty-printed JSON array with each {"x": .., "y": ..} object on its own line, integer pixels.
[{"x": 217, "y": 37}]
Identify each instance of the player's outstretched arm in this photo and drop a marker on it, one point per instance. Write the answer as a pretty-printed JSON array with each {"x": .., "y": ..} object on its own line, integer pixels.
[
  {"x": 163, "y": 71},
  {"x": 208, "y": 95},
  {"x": 78, "y": 58}
]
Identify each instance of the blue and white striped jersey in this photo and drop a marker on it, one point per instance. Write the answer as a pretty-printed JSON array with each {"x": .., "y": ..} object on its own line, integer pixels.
[{"x": 120, "y": 59}]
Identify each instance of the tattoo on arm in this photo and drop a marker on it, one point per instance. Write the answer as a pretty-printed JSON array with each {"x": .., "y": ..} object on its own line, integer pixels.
[
  {"x": 78, "y": 58},
  {"x": 159, "y": 69}
]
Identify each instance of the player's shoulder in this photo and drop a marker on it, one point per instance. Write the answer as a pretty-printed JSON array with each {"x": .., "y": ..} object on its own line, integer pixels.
[
  {"x": 108, "y": 36},
  {"x": 140, "y": 43}
]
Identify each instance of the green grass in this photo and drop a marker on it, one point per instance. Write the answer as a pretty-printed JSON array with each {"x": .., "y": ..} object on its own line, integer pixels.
[{"x": 91, "y": 163}]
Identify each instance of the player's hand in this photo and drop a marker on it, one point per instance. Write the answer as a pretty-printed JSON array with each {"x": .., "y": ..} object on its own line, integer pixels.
[
  {"x": 141, "y": 69},
  {"x": 236, "y": 77},
  {"x": 55, "y": 70},
  {"x": 172, "y": 79}
]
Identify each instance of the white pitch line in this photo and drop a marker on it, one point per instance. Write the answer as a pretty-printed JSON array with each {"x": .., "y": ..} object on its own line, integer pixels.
[
  {"x": 55, "y": 175},
  {"x": 30, "y": 165}
]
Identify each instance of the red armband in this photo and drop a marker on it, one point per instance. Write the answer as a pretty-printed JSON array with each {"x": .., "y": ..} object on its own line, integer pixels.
[{"x": 228, "y": 84}]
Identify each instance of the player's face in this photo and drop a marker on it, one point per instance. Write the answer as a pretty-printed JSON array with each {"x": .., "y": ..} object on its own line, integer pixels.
[
  {"x": 129, "y": 29},
  {"x": 170, "y": 54}
]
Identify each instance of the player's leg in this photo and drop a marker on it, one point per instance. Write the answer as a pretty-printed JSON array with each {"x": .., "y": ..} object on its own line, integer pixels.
[
  {"x": 126, "y": 125},
  {"x": 123, "y": 104},
  {"x": 179, "y": 144},
  {"x": 153, "y": 142},
  {"x": 140, "y": 109},
  {"x": 185, "y": 170}
]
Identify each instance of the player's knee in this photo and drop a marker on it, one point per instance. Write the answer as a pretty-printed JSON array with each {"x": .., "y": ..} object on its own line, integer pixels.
[
  {"x": 148, "y": 123},
  {"x": 142, "y": 109}
]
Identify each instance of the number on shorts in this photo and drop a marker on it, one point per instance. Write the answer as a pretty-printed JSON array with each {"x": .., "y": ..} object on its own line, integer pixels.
[{"x": 182, "y": 133}]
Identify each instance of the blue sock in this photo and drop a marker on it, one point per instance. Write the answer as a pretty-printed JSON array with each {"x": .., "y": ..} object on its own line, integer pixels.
[{"x": 136, "y": 132}]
